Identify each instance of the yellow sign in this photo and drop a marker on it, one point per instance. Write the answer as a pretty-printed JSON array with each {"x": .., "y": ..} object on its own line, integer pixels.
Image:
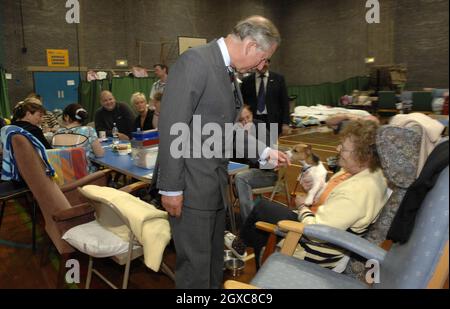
[{"x": 57, "y": 57}]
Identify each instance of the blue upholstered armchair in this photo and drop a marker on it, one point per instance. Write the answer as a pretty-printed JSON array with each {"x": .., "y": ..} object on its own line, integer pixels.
[
  {"x": 422, "y": 262},
  {"x": 419, "y": 263}
]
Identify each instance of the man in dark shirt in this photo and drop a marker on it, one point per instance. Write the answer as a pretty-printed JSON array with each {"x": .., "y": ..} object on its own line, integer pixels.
[{"x": 114, "y": 112}]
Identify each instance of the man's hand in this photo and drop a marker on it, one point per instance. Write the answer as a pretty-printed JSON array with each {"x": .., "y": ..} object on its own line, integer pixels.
[
  {"x": 173, "y": 204},
  {"x": 278, "y": 158}
]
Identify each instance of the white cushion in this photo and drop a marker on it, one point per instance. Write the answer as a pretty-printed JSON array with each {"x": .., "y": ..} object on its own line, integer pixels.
[{"x": 93, "y": 239}]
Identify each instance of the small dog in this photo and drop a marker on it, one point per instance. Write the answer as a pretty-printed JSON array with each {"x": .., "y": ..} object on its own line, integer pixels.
[{"x": 311, "y": 165}]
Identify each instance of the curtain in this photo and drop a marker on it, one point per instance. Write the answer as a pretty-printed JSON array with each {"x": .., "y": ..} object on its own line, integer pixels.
[
  {"x": 327, "y": 93},
  {"x": 90, "y": 95},
  {"x": 123, "y": 87},
  {"x": 5, "y": 109}
]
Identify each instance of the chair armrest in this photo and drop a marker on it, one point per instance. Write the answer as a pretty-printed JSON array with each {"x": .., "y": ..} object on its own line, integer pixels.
[
  {"x": 266, "y": 227},
  {"x": 134, "y": 187},
  {"x": 235, "y": 285},
  {"x": 345, "y": 240},
  {"x": 291, "y": 226},
  {"x": 294, "y": 233},
  {"x": 73, "y": 212},
  {"x": 89, "y": 179}
]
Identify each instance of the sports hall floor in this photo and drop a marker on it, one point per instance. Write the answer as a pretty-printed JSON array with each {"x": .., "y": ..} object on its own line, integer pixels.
[{"x": 21, "y": 268}]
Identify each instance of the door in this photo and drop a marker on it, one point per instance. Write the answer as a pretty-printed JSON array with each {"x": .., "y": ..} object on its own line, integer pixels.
[{"x": 57, "y": 89}]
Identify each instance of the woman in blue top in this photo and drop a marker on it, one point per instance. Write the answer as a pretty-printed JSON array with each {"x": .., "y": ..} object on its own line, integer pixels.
[{"x": 74, "y": 116}]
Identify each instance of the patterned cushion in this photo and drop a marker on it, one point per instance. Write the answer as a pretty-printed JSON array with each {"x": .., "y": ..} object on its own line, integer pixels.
[
  {"x": 70, "y": 164},
  {"x": 398, "y": 149}
]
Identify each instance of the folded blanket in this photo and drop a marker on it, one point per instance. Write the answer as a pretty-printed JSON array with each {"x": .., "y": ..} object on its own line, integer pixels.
[
  {"x": 9, "y": 167},
  {"x": 432, "y": 132},
  {"x": 149, "y": 225}
]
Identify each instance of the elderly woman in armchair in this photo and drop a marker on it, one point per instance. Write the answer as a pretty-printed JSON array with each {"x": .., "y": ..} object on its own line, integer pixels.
[{"x": 351, "y": 200}]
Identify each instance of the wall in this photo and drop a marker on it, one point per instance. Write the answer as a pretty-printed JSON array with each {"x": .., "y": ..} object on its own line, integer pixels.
[
  {"x": 323, "y": 40},
  {"x": 421, "y": 37},
  {"x": 327, "y": 41},
  {"x": 112, "y": 29}
]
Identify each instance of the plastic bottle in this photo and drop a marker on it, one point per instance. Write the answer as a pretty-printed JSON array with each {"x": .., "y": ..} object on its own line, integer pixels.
[{"x": 115, "y": 134}]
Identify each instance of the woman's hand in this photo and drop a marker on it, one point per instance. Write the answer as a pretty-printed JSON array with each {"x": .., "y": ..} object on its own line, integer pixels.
[
  {"x": 299, "y": 200},
  {"x": 307, "y": 181}
]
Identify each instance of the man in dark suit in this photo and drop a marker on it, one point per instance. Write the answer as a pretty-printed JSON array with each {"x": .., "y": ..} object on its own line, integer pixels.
[
  {"x": 266, "y": 93},
  {"x": 194, "y": 186}
]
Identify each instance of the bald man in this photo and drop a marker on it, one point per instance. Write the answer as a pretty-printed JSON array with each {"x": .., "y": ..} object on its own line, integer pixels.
[{"x": 114, "y": 112}]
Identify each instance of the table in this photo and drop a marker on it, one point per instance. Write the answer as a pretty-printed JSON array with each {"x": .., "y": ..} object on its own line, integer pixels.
[{"x": 124, "y": 165}]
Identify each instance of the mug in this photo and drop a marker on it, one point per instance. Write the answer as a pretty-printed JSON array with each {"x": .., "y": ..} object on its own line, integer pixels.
[{"x": 102, "y": 134}]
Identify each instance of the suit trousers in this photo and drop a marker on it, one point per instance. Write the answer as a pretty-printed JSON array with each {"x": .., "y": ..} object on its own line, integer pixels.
[{"x": 199, "y": 243}]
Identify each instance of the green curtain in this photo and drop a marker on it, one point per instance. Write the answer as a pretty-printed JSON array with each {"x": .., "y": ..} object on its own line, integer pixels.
[
  {"x": 123, "y": 87},
  {"x": 327, "y": 93},
  {"x": 90, "y": 95},
  {"x": 5, "y": 109}
]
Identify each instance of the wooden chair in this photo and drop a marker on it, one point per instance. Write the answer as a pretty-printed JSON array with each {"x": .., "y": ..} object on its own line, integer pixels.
[
  {"x": 61, "y": 212},
  {"x": 281, "y": 186}
]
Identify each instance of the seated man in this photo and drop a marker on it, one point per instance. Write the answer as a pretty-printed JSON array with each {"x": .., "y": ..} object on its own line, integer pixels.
[
  {"x": 113, "y": 112},
  {"x": 351, "y": 200},
  {"x": 254, "y": 177}
]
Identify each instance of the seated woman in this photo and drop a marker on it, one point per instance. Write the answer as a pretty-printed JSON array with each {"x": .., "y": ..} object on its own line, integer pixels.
[
  {"x": 351, "y": 201},
  {"x": 28, "y": 115},
  {"x": 74, "y": 116},
  {"x": 146, "y": 119},
  {"x": 49, "y": 121}
]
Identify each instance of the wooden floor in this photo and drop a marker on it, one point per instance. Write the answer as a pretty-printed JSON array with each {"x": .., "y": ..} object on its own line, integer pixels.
[{"x": 21, "y": 268}]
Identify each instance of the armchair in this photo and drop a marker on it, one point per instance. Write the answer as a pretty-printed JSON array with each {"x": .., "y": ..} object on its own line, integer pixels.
[
  {"x": 422, "y": 262},
  {"x": 58, "y": 212},
  {"x": 399, "y": 156}
]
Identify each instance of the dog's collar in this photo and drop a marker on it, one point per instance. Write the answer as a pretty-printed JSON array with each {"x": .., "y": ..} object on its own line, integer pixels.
[{"x": 306, "y": 166}]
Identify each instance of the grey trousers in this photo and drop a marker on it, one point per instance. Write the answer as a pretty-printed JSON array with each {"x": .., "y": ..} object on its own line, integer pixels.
[
  {"x": 250, "y": 179},
  {"x": 199, "y": 243}
]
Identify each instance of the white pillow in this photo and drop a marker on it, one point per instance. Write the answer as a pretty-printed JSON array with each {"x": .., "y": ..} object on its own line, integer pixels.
[{"x": 93, "y": 239}]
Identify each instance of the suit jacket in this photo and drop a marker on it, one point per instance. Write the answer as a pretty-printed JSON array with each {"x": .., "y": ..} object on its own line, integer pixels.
[
  {"x": 198, "y": 86},
  {"x": 277, "y": 101}
]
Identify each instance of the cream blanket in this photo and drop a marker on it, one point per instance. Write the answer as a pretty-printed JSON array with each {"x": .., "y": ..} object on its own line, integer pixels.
[
  {"x": 432, "y": 132},
  {"x": 149, "y": 225}
]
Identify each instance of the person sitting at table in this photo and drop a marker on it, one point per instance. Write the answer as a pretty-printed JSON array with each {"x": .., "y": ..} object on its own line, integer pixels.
[
  {"x": 28, "y": 115},
  {"x": 146, "y": 119},
  {"x": 74, "y": 116},
  {"x": 112, "y": 112},
  {"x": 49, "y": 121},
  {"x": 351, "y": 200}
]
